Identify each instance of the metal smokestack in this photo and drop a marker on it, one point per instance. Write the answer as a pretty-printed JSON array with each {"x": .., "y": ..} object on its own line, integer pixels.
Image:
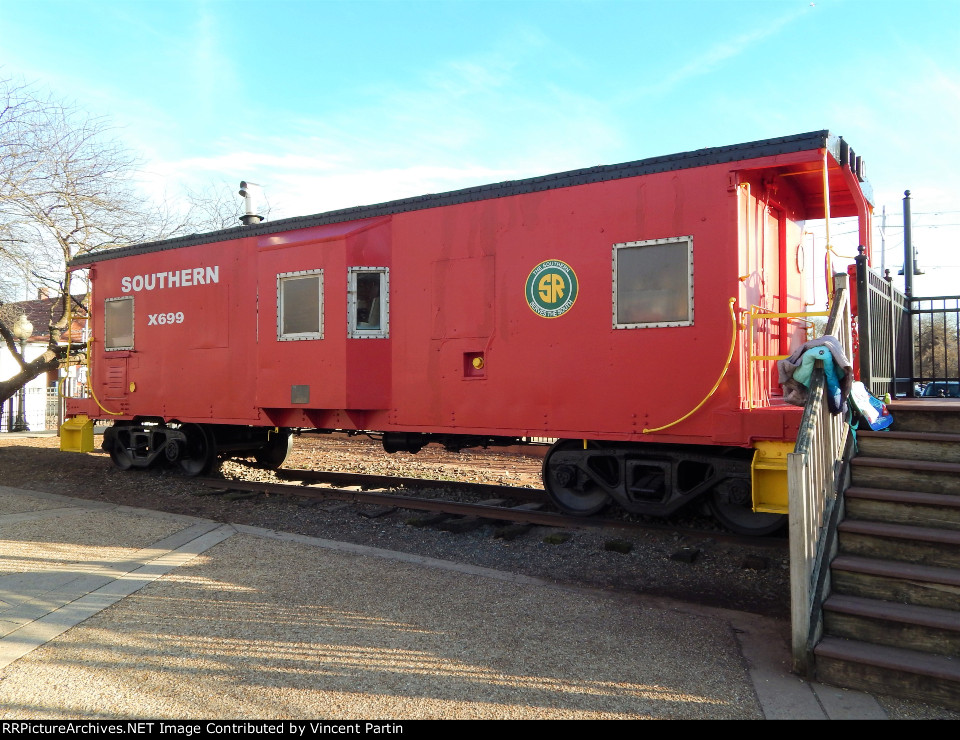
[{"x": 251, "y": 193}]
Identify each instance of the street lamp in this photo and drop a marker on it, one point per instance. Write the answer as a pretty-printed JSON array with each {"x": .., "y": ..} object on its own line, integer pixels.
[{"x": 22, "y": 330}]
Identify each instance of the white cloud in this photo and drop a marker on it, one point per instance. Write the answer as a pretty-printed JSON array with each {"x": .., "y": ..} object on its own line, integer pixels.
[
  {"x": 712, "y": 57},
  {"x": 469, "y": 121}
]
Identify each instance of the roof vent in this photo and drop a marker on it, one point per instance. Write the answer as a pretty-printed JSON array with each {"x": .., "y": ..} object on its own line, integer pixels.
[{"x": 251, "y": 193}]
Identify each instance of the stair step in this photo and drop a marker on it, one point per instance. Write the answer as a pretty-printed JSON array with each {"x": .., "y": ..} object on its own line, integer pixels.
[
  {"x": 918, "y": 498},
  {"x": 889, "y": 670},
  {"x": 923, "y": 545},
  {"x": 915, "y": 475},
  {"x": 892, "y": 580},
  {"x": 921, "y": 466},
  {"x": 950, "y": 405},
  {"x": 932, "y": 446},
  {"x": 903, "y": 507},
  {"x": 924, "y": 628},
  {"x": 900, "y": 531},
  {"x": 896, "y": 569},
  {"x": 927, "y": 414},
  {"x": 888, "y": 657},
  {"x": 911, "y": 436},
  {"x": 945, "y": 619}
]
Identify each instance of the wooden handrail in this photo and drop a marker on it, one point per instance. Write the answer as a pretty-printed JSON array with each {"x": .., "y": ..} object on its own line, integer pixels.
[{"x": 812, "y": 471}]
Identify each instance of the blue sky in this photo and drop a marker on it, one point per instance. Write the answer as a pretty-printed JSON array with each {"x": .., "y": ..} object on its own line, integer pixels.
[{"x": 331, "y": 104}]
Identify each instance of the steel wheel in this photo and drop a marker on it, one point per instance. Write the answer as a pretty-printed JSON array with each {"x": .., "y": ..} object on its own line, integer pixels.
[
  {"x": 121, "y": 457},
  {"x": 119, "y": 444},
  {"x": 568, "y": 486},
  {"x": 200, "y": 454},
  {"x": 275, "y": 450},
  {"x": 731, "y": 504}
]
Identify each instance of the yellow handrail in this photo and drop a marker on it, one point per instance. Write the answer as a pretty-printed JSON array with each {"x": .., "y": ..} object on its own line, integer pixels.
[
  {"x": 93, "y": 393},
  {"x": 827, "y": 266},
  {"x": 733, "y": 344},
  {"x": 751, "y": 358},
  {"x": 89, "y": 352}
]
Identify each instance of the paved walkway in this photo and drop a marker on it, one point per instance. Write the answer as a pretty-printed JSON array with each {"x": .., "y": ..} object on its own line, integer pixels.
[{"x": 112, "y": 612}]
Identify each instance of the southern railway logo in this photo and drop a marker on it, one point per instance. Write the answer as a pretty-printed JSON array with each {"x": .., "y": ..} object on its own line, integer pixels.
[{"x": 551, "y": 288}]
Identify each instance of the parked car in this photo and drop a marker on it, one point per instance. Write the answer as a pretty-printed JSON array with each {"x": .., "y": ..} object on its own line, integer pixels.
[{"x": 942, "y": 389}]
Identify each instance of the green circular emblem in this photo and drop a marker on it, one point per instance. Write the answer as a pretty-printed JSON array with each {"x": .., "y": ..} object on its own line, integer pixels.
[{"x": 551, "y": 288}]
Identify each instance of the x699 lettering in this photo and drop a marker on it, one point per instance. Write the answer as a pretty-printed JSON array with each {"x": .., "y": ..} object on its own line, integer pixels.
[{"x": 165, "y": 318}]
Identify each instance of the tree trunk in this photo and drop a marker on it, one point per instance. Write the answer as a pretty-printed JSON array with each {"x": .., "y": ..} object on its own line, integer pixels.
[{"x": 38, "y": 366}]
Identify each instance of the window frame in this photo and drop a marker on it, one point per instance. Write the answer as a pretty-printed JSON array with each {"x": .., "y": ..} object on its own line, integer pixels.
[
  {"x": 133, "y": 324},
  {"x": 353, "y": 331},
  {"x": 689, "y": 321},
  {"x": 299, "y": 336}
]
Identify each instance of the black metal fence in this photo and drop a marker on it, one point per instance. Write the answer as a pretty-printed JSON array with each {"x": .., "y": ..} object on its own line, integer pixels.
[
  {"x": 883, "y": 338},
  {"x": 936, "y": 348},
  {"x": 43, "y": 410},
  {"x": 8, "y": 415},
  {"x": 906, "y": 346}
]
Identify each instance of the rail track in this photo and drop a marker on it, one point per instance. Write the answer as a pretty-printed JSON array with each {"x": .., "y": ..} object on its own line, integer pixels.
[{"x": 490, "y": 503}]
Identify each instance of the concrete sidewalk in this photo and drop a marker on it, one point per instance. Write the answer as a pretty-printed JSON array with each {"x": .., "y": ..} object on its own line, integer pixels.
[{"x": 113, "y": 612}]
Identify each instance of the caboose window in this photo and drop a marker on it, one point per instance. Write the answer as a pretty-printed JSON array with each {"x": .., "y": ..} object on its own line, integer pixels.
[
  {"x": 118, "y": 323},
  {"x": 368, "y": 302},
  {"x": 653, "y": 283},
  {"x": 300, "y": 305}
]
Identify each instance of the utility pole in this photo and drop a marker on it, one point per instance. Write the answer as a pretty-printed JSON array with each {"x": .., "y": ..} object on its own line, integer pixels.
[
  {"x": 909, "y": 256},
  {"x": 883, "y": 240}
]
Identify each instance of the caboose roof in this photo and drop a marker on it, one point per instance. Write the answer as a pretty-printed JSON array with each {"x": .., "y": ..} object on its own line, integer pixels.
[{"x": 808, "y": 180}]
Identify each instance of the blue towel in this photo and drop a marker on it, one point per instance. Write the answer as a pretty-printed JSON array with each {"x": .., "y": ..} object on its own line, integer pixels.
[
  {"x": 834, "y": 395},
  {"x": 802, "y": 375}
]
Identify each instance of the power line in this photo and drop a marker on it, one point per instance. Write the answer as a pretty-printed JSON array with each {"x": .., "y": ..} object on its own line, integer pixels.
[{"x": 890, "y": 226}]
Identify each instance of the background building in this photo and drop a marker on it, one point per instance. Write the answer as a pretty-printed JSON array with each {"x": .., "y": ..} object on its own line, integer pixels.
[{"x": 41, "y": 396}]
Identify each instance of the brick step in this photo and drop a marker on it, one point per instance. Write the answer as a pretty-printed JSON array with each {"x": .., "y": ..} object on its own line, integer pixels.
[
  {"x": 906, "y": 475},
  {"x": 891, "y": 580},
  {"x": 921, "y": 545},
  {"x": 923, "y": 628},
  {"x": 903, "y": 507},
  {"x": 889, "y": 670}
]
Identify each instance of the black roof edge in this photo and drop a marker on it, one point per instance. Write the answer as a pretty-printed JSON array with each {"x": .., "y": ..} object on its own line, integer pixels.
[{"x": 599, "y": 173}]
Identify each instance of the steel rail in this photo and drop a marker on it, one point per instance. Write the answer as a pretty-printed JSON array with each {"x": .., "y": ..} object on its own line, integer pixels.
[
  {"x": 484, "y": 511},
  {"x": 516, "y": 515}
]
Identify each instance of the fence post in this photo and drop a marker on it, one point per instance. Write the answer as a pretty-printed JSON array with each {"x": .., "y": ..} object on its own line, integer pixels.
[
  {"x": 893, "y": 332},
  {"x": 863, "y": 317},
  {"x": 801, "y": 555},
  {"x": 908, "y": 258}
]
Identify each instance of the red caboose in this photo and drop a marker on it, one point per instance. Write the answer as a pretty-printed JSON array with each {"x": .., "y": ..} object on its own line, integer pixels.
[{"x": 598, "y": 307}]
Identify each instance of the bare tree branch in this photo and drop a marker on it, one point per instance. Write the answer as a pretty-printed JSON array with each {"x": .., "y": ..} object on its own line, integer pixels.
[{"x": 67, "y": 189}]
